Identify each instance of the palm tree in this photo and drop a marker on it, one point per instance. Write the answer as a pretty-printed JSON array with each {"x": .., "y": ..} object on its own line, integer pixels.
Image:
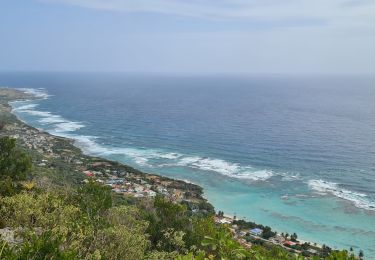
[{"x": 340, "y": 255}]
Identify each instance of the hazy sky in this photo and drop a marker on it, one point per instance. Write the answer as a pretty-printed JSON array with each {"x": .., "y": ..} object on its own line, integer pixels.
[{"x": 189, "y": 36}]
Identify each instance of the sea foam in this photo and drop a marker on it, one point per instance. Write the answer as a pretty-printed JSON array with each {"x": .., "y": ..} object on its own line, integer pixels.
[
  {"x": 36, "y": 92},
  {"x": 55, "y": 123},
  {"x": 225, "y": 168},
  {"x": 359, "y": 200},
  {"x": 24, "y": 107},
  {"x": 160, "y": 158}
]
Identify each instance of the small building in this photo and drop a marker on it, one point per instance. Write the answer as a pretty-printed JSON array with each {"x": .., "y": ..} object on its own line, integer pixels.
[
  {"x": 241, "y": 233},
  {"x": 279, "y": 239},
  {"x": 88, "y": 173},
  {"x": 225, "y": 221},
  {"x": 244, "y": 243},
  {"x": 312, "y": 251},
  {"x": 289, "y": 243},
  {"x": 150, "y": 193},
  {"x": 256, "y": 231}
]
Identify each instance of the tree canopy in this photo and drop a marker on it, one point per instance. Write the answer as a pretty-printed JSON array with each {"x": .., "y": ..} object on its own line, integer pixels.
[{"x": 14, "y": 163}]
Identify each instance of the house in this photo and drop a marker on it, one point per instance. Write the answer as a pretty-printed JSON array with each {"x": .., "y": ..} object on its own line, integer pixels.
[
  {"x": 114, "y": 181},
  {"x": 151, "y": 193},
  {"x": 241, "y": 233},
  {"x": 225, "y": 221},
  {"x": 289, "y": 243},
  {"x": 279, "y": 239},
  {"x": 97, "y": 173},
  {"x": 88, "y": 173},
  {"x": 138, "y": 189},
  {"x": 256, "y": 231},
  {"x": 312, "y": 251},
  {"x": 244, "y": 243}
]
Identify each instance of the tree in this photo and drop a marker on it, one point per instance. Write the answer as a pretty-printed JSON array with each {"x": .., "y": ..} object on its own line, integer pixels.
[
  {"x": 224, "y": 246},
  {"x": 200, "y": 227},
  {"x": 293, "y": 237},
  {"x": 14, "y": 163},
  {"x": 172, "y": 241},
  {"x": 267, "y": 232},
  {"x": 44, "y": 246},
  {"x": 120, "y": 242},
  {"x": 14, "y": 166},
  {"x": 339, "y": 255},
  {"x": 164, "y": 215},
  {"x": 94, "y": 199}
]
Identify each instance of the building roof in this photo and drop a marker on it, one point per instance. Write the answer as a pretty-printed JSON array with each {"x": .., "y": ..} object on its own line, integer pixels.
[
  {"x": 289, "y": 243},
  {"x": 256, "y": 231}
]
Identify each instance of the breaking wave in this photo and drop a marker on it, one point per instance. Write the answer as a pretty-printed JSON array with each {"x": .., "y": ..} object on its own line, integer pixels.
[
  {"x": 330, "y": 188},
  {"x": 36, "y": 92},
  {"x": 53, "y": 123},
  {"x": 24, "y": 107},
  {"x": 223, "y": 167},
  {"x": 159, "y": 158}
]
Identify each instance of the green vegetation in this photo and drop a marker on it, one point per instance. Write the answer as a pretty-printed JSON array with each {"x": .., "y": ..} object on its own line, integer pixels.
[
  {"x": 267, "y": 231},
  {"x": 40, "y": 221},
  {"x": 14, "y": 165}
]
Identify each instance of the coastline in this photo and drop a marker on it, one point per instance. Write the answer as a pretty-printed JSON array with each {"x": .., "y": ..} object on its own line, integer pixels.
[
  {"x": 68, "y": 144},
  {"x": 184, "y": 185}
]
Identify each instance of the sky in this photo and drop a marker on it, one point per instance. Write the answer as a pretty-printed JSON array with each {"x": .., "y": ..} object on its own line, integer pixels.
[{"x": 189, "y": 36}]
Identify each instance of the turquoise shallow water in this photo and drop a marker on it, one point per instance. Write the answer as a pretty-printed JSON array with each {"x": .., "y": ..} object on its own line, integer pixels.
[{"x": 297, "y": 154}]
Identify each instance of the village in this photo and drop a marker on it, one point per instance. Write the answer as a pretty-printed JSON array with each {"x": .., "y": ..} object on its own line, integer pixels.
[{"x": 249, "y": 234}]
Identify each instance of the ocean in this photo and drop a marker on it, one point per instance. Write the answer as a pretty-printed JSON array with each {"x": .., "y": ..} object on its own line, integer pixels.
[{"x": 295, "y": 153}]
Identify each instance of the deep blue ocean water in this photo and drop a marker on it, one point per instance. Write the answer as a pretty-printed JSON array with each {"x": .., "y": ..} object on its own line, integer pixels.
[{"x": 295, "y": 153}]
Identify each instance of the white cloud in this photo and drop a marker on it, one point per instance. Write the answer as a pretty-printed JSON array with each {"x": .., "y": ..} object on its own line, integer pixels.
[
  {"x": 359, "y": 12},
  {"x": 339, "y": 39}
]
